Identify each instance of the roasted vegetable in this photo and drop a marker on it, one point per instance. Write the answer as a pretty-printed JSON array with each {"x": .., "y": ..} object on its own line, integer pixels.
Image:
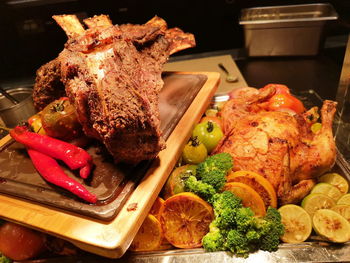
[
  {"x": 194, "y": 152},
  {"x": 209, "y": 133},
  {"x": 73, "y": 156},
  {"x": 214, "y": 169},
  {"x": 176, "y": 181},
  {"x": 59, "y": 120},
  {"x": 284, "y": 100},
  {"x": 4, "y": 259},
  {"x": 235, "y": 228},
  {"x": 204, "y": 190},
  {"x": 20, "y": 243},
  {"x": 53, "y": 173},
  {"x": 240, "y": 232}
]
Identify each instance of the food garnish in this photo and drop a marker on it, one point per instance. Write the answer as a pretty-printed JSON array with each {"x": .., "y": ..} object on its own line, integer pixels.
[
  {"x": 20, "y": 243},
  {"x": 214, "y": 169},
  {"x": 59, "y": 120},
  {"x": 283, "y": 99},
  {"x": 50, "y": 170},
  {"x": 235, "y": 228},
  {"x": 185, "y": 219},
  {"x": 250, "y": 198},
  {"x": 73, "y": 156},
  {"x": 343, "y": 210},
  {"x": 327, "y": 189},
  {"x": 4, "y": 259},
  {"x": 297, "y": 223},
  {"x": 209, "y": 133},
  {"x": 156, "y": 207},
  {"x": 35, "y": 124},
  {"x": 313, "y": 202},
  {"x": 43, "y": 150},
  {"x": 260, "y": 184},
  {"x": 176, "y": 181},
  {"x": 337, "y": 180},
  {"x": 344, "y": 200},
  {"x": 194, "y": 152},
  {"x": 149, "y": 237},
  {"x": 331, "y": 225}
]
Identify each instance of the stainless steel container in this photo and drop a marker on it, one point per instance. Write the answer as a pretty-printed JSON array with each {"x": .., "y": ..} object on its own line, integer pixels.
[
  {"x": 342, "y": 133},
  {"x": 285, "y": 30},
  {"x": 12, "y": 114}
]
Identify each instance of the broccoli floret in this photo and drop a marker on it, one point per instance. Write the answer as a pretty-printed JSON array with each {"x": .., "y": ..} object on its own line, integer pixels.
[
  {"x": 237, "y": 243},
  {"x": 214, "y": 169},
  {"x": 245, "y": 219},
  {"x": 225, "y": 205},
  {"x": 4, "y": 259},
  {"x": 204, "y": 190},
  {"x": 272, "y": 229},
  {"x": 235, "y": 228},
  {"x": 214, "y": 240}
]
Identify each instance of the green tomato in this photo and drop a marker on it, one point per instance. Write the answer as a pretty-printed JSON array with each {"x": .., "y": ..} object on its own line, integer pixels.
[
  {"x": 209, "y": 133},
  {"x": 176, "y": 181},
  {"x": 194, "y": 152}
]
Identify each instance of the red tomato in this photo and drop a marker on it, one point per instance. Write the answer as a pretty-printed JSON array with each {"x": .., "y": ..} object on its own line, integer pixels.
[
  {"x": 20, "y": 243},
  {"x": 216, "y": 120},
  {"x": 285, "y": 101}
]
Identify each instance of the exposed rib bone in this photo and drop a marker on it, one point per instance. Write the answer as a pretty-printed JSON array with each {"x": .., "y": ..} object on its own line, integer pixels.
[
  {"x": 158, "y": 22},
  {"x": 70, "y": 24},
  {"x": 179, "y": 40},
  {"x": 98, "y": 21}
]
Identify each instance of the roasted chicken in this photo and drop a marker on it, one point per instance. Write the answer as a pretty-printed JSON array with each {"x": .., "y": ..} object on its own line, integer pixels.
[{"x": 278, "y": 145}]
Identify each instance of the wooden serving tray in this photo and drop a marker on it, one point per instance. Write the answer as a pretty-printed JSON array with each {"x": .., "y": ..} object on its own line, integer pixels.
[
  {"x": 111, "y": 183},
  {"x": 112, "y": 238}
]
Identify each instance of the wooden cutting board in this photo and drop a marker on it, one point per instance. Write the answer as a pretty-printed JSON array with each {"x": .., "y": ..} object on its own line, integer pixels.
[
  {"x": 112, "y": 238},
  {"x": 111, "y": 183}
]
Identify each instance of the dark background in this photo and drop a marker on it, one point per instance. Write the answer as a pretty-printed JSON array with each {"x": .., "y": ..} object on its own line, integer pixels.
[{"x": 29, "y": 36}]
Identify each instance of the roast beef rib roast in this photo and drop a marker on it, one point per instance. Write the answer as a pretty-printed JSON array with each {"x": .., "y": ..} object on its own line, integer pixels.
[{"x": 112, "y": 75}]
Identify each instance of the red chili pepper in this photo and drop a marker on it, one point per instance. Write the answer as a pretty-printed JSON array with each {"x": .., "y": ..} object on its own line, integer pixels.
[
  {"x": 73, "y": 156},
  {"x": 53, "y": 173}
]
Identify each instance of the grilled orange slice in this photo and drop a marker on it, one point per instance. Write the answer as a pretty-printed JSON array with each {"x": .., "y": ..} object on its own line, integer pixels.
[
  {"x": 259, "y": 183},
  {"x": 185, "y": 219},
  {"x": 250, "y": 198},
  {"x": 149, "y": 237},
  {"x": 157, "y": 205}
]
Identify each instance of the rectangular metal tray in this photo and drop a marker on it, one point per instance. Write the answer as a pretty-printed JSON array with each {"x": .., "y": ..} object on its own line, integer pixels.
[
  {"x": 291, "y": 30},
  {"x": 314, "y": 250},
  {"x": 288, "y": 13},
  {"x": 111, "y": 183}
]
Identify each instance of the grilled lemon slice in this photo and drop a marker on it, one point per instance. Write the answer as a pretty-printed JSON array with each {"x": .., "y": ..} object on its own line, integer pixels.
[
  {"x": 337, "y": 180},
  {"x": 297, "y": 224},
  {"x": 331, "y": 225},
  {"x": 344, "y": 200},
  {"x": 313, "y": 202},
  {"x": 327, "y": 189}
]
